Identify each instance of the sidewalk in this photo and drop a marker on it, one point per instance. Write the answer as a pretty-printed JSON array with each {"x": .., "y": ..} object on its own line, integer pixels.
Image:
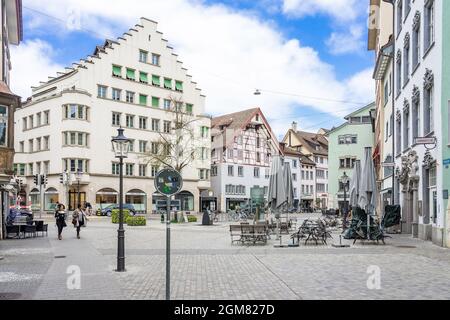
[{"x": 38, "y": 269}]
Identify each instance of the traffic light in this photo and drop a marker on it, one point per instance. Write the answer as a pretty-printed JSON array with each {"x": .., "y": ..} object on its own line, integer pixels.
[
  {"x": 36, "y": 180},
  {"x": 44, "y": 179},
  {"x": 61, "y": 178}
]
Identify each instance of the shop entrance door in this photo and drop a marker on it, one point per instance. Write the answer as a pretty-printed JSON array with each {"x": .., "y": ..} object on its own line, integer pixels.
[{"x": 73, "y": 199}]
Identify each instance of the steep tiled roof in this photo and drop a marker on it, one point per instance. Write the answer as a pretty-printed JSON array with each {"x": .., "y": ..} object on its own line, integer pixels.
[
  {"x": 235, "y": 120},
  {"x": 305, "y": 160},
  {"x": 317, "y": 144},
  {"x": 238, "y": 121},
  {"x": 293, "y": 152}
]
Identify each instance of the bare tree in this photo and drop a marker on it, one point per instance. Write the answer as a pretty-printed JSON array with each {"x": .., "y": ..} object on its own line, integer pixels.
[{"x": 175, "y": 147}]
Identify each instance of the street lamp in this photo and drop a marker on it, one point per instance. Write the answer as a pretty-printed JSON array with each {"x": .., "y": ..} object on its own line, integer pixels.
[
  {"x": 121, "y": 146},
  {"x": 344, "y": 180},
  {"x": 79, "y": 174}
]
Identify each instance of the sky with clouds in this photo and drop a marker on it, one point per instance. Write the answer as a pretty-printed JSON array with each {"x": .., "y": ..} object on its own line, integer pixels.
[{"x": 309, "y": 57}]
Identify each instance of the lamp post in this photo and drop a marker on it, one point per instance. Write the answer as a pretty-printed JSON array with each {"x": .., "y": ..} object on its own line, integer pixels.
[
  {"x": 344, "y": 180},
  {"x": 121, "y": 145},
  {"x": 78, "y": 178}
]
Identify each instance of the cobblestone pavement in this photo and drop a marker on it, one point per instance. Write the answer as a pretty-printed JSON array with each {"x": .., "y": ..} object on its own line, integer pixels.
[{"x": 206, "y": 266}]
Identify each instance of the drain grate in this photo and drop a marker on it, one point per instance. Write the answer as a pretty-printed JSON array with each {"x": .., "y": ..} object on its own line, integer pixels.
[
  {"x": 60, "y": 257},
  {"x": 9, "y": 296},
  {"x": 406, "y": 247}
]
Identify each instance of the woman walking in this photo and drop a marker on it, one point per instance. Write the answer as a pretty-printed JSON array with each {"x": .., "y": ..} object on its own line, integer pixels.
[
  {"x": 79, "y": 219},
  {"x": 60, "y": 217}
]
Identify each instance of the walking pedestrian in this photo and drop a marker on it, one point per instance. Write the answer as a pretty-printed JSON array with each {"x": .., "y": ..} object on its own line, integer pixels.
[
  {"x": 88, "y": 208},
  {"x": 60, "y": 216},
  {"x": 79, "y": 219}
]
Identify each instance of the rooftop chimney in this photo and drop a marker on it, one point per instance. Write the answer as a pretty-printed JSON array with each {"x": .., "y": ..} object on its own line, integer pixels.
[{"x": 294, "y": 126}]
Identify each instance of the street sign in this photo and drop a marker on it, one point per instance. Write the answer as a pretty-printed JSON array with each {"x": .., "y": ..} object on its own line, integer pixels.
[
  {"x": 168, "y": 182},
  {"x": 425, "y": 140}
]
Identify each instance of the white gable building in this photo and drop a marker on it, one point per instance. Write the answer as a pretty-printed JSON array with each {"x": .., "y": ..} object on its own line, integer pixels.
[{"x": 69, "y": 121}]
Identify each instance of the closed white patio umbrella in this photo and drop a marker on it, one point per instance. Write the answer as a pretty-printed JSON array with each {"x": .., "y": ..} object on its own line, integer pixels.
[
  {"x": 368, "y": 187},
  {"x": 277, "y": 186},
  {"x": 355, "y": 184}
]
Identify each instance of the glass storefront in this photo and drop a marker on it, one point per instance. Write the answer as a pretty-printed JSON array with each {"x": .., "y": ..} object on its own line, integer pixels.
[
  {"x": 187, "y": 200},
  {"x": 35, "y": 200},
  {"x": 234, "y": 204},
  {"x": 51, "y": 197},
  {"x": 105, "y": 198},
  {"x": 138, "y": 199}
]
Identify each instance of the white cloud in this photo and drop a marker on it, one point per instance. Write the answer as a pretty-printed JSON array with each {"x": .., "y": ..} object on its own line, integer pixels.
[
  {"x": 362, "y": 85},
  {"x": 350, "y": 41},
  {"x": 341, "y": 10},
  {"x": 229, "y": 53},
  {"x": 32, "y": 62},
  {"x": 348, "y": 19}
]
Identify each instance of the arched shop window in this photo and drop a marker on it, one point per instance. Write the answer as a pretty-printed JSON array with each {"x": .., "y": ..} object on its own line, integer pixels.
[
  {"x": 138, "y": 199},
  {"x": 187, "y": 200},
  {"x": 35, "y": 200},
  {"x": 51, "y": 197},
  {"x": 106, "y": 197}
]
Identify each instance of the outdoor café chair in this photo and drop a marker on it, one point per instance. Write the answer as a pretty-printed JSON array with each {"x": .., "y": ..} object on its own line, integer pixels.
[
  {"x": 31, "y": 230},
  {"x": 41, "y": 227},
  {"x": 13, "y": 230}
]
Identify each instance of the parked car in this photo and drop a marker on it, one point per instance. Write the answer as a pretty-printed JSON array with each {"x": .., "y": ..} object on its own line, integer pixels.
[{"x": 107, "y": 211}]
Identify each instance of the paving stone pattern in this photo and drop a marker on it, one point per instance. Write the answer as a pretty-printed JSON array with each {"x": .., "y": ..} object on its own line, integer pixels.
[{"x": 206, "y": 266}]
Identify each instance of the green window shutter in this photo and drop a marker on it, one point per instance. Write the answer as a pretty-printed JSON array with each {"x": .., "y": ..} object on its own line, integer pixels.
[
  {"x": 143, "y": 77},
  {"x": 143, "y": 99},
  {"x": 189, "y": 108},
  {"x": 155, "y": 81},
  {"x": 117, "y": 71},
  {"x": 155, "y": 102},
  {"x": 178, "y": 85},
  {"x": 130, "y": 74},
  {"x": 167, "y": 83}
]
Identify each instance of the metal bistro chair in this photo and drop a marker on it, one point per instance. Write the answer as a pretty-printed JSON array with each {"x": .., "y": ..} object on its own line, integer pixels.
[
  {"x": 41, "y": 227},
  {"x": 13, "y": 230},
  {"x": 29, "y": 230}
]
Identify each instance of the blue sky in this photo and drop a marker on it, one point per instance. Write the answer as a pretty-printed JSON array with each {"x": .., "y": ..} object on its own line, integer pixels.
[{"x": 305, "y": 38}]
